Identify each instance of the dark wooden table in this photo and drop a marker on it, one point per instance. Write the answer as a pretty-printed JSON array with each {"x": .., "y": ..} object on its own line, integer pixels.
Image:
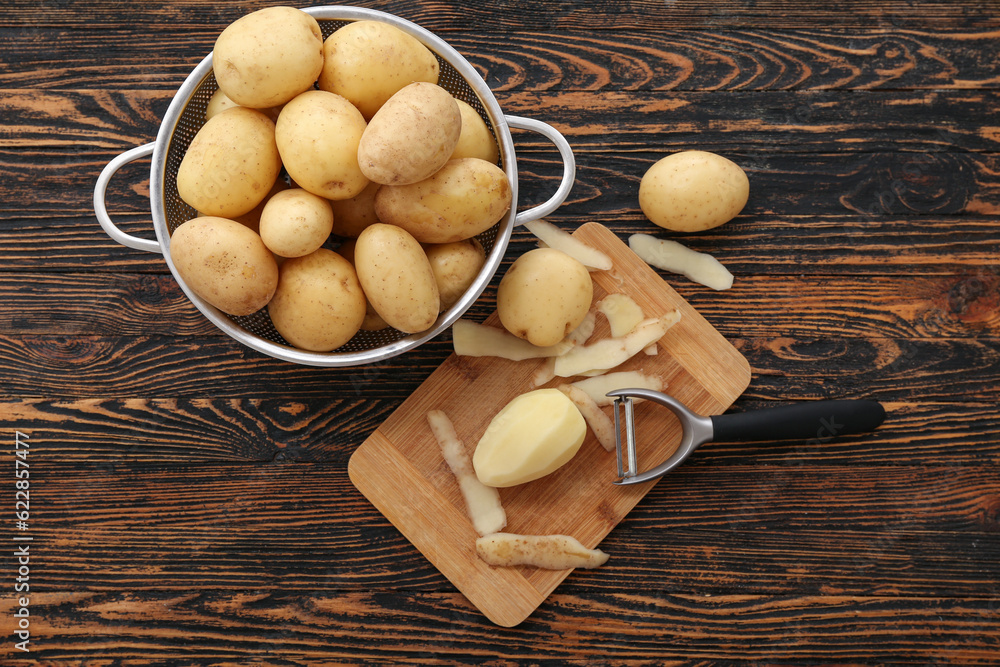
[{"x": 189, "y": 498}]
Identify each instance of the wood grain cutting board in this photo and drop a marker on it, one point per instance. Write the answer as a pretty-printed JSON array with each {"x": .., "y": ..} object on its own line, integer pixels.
[{"x": 399, "y": 468}]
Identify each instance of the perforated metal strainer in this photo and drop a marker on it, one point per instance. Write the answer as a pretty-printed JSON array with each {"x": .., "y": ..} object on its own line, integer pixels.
[{"x": 186, "y": 115}]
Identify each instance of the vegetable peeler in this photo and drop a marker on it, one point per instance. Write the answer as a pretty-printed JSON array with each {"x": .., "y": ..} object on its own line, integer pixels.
[{"x": 818, "y": 420}]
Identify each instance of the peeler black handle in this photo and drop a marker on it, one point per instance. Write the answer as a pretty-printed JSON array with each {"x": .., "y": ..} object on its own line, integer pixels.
[{"x": 819, "y": 420}]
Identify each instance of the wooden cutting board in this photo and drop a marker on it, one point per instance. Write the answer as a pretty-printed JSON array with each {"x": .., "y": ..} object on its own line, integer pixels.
[{"x": 401, "y": 471}]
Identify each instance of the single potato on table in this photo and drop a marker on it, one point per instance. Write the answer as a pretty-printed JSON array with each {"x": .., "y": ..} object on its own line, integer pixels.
[
  {"x": 692, "y": 191},
  {"x": 397, "y": 278},
  {"x": 225, "y": 263},
  {"x": 370, "y": 61},
  {"x": 269, "y": 56},
  {"x": 317, "y": 134},
  {"x": 462, "y": 199},
  {"x": 231, "y": 164},
  {"x": 544, "y": 295},
  {"x": 411, "y": 136}
]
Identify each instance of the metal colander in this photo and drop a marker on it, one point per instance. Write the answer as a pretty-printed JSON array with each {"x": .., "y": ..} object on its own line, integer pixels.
[{"x": 186, "y": 115}]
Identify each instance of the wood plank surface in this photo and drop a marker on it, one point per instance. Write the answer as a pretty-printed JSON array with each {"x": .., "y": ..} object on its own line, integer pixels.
[{"x": 191, "y": 497}]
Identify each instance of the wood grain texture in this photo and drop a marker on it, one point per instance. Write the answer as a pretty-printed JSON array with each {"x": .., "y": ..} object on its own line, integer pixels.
[
  {"x": 135, "y": 433},
  {"x": 300, "y": 628},
  {"x": 204, "y": 512},
  {"x": 708, "y": 58},
  {"x": 193, "y": 504}
]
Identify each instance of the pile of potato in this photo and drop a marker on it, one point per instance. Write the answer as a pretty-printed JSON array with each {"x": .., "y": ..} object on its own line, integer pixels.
[{"x": 347, "y": 138}]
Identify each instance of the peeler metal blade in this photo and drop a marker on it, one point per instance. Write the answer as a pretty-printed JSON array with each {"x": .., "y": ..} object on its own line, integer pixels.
[{"x": 695, "y": 431}]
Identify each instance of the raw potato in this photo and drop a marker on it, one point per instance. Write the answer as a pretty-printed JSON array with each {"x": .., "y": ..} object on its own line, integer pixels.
[
  {"x": 351, "y": 216},
  {"x": 397, "y": 278},
  {"x": 231, "y": 164},
  {"x": 411, "y": 136},
  {"x": 672, "y": 256},
  {"x": 268, "y": 56},
  {"x": 481, "y": 501},
  {"x": 544, "y": 295},
  {"x": 476, "y": 140},
  {"x": 318, "y": 135},
  {"x": 219, "y": 103},
  {"x": 532, "y": 436},
  {"x": 622, "y": 312},
  {"x": 612, "y": 352},
  {"x": 295, "y": 223},
  {"x": 692, "y": 191},
  {"x": 554, "y": 237},
  {"x": 479, "y": 340},
  {"x": 551, "y": 552},
  {"x": 370, "y": 61},
  {"x": 455, "y": 267},
  {"x": 460, "y": 200},
  {"x": 251, "y": 218},
  {"x": 373, "y": 321},
  {"x": 319, "y": 304},
  {"x": 597, "y": 387},
  {"x": 225, "y": 263},
  {"x": 600, "y": 424}
]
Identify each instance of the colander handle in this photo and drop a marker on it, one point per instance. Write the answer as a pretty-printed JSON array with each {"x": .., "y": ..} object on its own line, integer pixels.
[
  {"x": 569, "y": 167},
  {"x": 101, "y": 207}
]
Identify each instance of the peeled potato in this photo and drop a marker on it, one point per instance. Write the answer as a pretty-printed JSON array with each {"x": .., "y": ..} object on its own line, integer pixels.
[{"x": 532, "y": 436}]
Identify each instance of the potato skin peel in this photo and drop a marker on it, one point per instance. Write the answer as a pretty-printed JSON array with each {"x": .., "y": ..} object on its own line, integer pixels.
[
  {"x": 482, "y": 502},
  {"x": 550, "y": 552},
  {"x": 677, "y": 258}
]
